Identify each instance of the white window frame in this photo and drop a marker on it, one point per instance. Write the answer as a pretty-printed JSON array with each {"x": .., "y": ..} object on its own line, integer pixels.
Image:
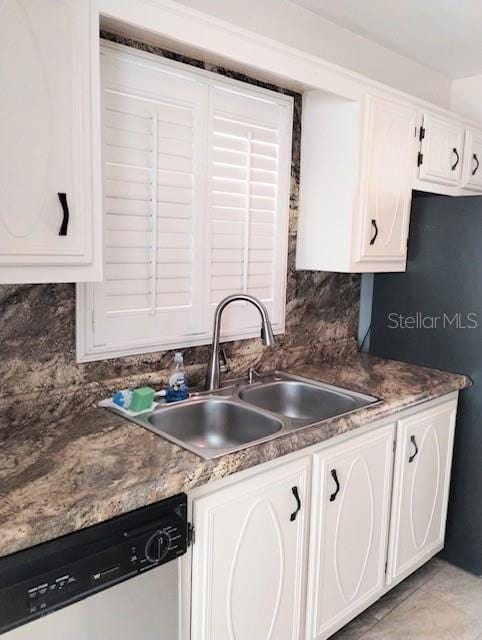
[{"x": 87, "y": 350}]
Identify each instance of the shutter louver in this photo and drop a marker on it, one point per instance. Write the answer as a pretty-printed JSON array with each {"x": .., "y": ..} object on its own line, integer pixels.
[
  {"x": 148, "y": 231},
  {"x": 247, "y": 135}
]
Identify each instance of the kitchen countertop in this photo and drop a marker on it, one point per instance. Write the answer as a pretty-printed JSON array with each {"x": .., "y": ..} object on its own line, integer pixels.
[{"x": 83, "y": 465}]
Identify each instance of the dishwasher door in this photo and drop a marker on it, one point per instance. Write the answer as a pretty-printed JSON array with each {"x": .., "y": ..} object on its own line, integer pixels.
[{"x": 145, "y": 607}]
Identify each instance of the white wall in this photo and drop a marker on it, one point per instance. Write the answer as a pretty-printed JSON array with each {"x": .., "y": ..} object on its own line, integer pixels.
[
  {"x": 467, "y": 97},
  {"x": 292, "y": 25}
]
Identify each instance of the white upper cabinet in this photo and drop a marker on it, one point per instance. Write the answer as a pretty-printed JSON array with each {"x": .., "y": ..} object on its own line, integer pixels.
[
  {"x": 349, "y": 527},
  {"x": 472, "y": 172},
  {"x": 249, "y": 557},
  {"x": 386, "y": 184},
  {"x": 442, "y": 149},
  {"x": 420, "y": 493},
  {"x": 48, "y": 168},
  {"x": 360, "y": 160},
  {"x": 356, "y": 182}
]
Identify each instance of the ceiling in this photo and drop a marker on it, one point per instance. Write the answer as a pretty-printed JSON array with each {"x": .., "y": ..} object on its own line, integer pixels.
[{"x": 445, "y": 35}]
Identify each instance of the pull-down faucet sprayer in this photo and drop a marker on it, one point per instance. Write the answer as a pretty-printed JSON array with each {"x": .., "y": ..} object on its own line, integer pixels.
[{"x": 267, "y": 337}]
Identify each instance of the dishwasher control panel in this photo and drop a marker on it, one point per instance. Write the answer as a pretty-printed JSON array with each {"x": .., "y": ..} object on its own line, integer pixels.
[{"x": 52, "y": 575}]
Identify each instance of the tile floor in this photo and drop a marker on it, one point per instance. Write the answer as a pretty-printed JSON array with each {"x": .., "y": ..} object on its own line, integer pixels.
[{"x": 437, "y": 602}]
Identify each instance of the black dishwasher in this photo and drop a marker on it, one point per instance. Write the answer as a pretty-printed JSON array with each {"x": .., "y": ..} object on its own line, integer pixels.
[{"x": 48, "y": 577}]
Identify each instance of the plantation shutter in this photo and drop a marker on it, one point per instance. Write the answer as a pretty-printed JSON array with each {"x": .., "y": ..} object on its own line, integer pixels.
[
  {"x": 248, "y": 195},
  {"x": 196, "y": 178},
  {"x": 152, "y": 272}
]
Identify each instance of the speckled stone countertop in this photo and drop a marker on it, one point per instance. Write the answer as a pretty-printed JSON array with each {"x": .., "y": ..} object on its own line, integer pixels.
[{"x": 81, "y": 465}]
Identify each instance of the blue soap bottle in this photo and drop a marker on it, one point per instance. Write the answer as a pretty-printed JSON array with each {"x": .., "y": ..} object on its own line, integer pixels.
[{"x": 177, "y": 389}]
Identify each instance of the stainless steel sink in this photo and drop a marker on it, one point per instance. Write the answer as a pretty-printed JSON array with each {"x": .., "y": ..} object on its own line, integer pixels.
[
  {"x": 240, "y": 414},
  {"x": 300, "y": 400},
  {"x": 211, "y": 426}
]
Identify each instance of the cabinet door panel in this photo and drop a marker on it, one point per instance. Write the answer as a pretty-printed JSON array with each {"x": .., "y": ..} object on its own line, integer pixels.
[
  {"x": 422, "y": 475},
  {"x": 45, "y": 132},
  {"x": 387, "y": 181},
  {"x": 442, "y": 151},
  {"x": 351, "y": 493},
  {"x": 473, "y": 160},
  {"x": 249, "y": 556}
]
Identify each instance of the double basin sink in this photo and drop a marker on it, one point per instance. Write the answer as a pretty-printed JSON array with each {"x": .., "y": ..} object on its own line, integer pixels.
[{"x": 240, "y": 414}]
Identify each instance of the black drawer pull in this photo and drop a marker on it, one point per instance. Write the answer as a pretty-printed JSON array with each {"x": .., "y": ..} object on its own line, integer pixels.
[
  {"x": 298, "y": 504},
  {"x": 454, "y": 166},
  {"x": 375, "y": 232},
  {"x": 65, "y": 210},
  {"x": 477, "y": 164},
  {"x": 335, "y": 492},
  {"x": 414, "y": 454}
]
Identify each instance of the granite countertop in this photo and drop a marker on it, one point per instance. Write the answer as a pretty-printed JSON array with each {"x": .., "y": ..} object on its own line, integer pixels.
[{"x": 83, "y": 465}]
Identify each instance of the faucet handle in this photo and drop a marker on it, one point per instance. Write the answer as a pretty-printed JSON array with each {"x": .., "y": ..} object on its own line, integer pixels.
[{"x": 224, "y": 368}]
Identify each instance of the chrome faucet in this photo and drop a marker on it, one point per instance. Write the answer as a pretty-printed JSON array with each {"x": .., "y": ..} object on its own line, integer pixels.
[{"x": 267, "y": 337}]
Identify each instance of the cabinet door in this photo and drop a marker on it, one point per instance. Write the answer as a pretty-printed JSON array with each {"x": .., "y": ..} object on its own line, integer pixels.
[
  {"x": 421, "y": 485},
  {"x": 442, "y": 150},
  {"x": 386, "y": 180},
  {"x": 473, "y": 160},
  {"x": 349, "y": 525},
  {"x": 46, "y": 48},
  {"x": 249, "y": 557}
]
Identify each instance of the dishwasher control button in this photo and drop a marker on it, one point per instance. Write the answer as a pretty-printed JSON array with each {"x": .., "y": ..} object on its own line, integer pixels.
[{"x": 157, "y": 546}]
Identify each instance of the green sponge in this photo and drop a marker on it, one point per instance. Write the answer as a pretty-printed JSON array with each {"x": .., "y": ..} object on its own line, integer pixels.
[{"x": 142, "y": 399}]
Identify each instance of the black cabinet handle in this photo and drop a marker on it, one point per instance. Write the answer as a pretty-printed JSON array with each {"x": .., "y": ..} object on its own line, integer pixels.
[
  {"x": 414, "y": 454},
  {"x": 65, "y": 210},
  {"x": 298, "y": 504},
  {"x": 454, "y": 166},
  {"x": 375, "y": 231},
  {"x": 477, "y": 164},
  {"x": 335, "y": 492}
]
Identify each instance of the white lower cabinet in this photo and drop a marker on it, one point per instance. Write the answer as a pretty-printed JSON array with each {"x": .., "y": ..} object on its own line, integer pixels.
[
  {"x": 249, "y": 557},
  {"x": 373, "y": 516},
  {"x": 421, "y": 485},
  {"x": 349, "y": 526}
]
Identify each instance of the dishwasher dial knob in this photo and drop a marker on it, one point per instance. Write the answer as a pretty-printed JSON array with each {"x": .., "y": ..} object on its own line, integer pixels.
[{"x": 157, "y": 546}]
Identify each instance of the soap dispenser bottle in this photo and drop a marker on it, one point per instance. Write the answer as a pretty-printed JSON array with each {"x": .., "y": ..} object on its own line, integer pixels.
[{"x": 177, "y": 389}]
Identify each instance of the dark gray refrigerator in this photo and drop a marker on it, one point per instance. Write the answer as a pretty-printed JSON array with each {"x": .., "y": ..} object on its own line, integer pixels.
[{"x": 432, "y": 315}]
